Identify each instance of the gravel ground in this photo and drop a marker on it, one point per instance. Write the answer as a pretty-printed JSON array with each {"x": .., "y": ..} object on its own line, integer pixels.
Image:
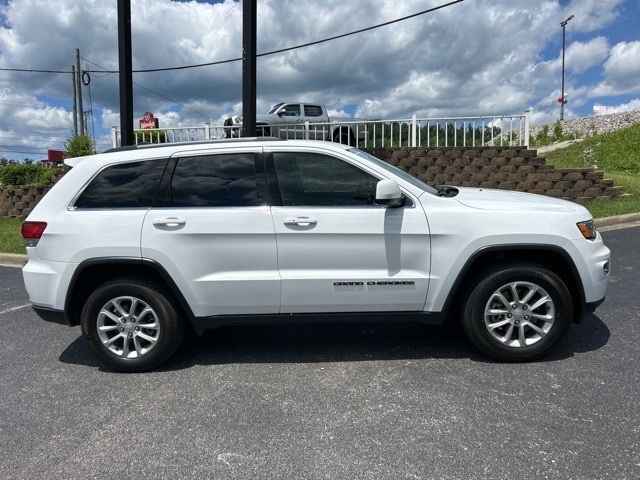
[{"x": 326, "y": 401}]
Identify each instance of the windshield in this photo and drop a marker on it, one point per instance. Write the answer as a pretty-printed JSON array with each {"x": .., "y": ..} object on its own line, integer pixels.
[
  {"x": 275, "y": 107},
  {"x": 395, "y": 170}
]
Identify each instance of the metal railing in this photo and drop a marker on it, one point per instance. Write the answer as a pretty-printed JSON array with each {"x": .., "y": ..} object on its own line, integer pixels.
[{"x": 472, "y": 131}]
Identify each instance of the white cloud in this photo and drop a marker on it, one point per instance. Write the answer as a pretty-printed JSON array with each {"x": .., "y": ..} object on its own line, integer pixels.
[
  {"x": 622, "y": 70},
  {"x": 580, "y": 56},
  {"x": 630, "y": 106},
  {"x": 591, "y": 15}
]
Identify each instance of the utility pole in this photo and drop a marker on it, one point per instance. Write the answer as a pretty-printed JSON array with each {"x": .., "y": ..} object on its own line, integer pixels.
[
  {"x": 126, "y": 73},
  {"x": 249, "y": 27},
  {"x": 75, "y": 101},
  {"x": 562, "y": 98},
  {"x": 79, "y": 92}
]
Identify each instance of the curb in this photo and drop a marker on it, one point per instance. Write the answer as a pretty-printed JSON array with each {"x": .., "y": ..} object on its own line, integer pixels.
[
  {"x": 617, "y": 220},
  {"x": 13, "y": 259}
]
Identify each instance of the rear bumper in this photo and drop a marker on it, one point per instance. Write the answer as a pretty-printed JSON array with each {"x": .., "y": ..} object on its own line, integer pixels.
[{"x": 51, "y": 315}]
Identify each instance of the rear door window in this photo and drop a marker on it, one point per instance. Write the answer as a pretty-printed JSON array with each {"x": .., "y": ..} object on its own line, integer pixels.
[
  {"x": 228, "y": 180},
  {"x": 312, "y": 111}
]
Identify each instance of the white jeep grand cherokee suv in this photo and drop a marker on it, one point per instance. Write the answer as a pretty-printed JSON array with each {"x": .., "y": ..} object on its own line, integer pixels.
[{"x": 138, "y": 244}]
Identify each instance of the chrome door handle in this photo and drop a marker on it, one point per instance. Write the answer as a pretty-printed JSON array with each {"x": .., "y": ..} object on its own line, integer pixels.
[
  {"x": 300, "y": 221},
  {"x": 171, "y": 222}
]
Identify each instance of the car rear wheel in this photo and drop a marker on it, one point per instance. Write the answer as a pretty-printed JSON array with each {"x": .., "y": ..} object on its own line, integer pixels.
[
  {"x": 517, "y": 312},
  {"x": 131, "y": 325}
]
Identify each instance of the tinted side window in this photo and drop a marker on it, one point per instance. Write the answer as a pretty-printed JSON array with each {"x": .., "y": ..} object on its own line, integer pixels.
[
  {"x": 312, "y": 111},
  {"x": 215, "y": 181},
  {"x": 312, "y": 179},
  {"x": 126, "y": 185},
  {"x": 291, "y": 110}
]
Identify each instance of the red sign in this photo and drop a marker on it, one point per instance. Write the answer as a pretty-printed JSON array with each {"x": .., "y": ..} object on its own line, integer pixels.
[
  {"x": 149, "y": 121},
  {"x": 55, "y": 156}
]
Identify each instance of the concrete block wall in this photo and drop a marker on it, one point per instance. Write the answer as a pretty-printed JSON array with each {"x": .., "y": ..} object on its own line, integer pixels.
[
  {"x": 508, "y": 168},
  {"x": 18, "y": 201}
]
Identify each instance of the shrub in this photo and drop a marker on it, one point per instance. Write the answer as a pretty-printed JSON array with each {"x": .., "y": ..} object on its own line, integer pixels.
[
  {"x": 151, "y": 136},
  {"x": 26, "y": 174},
  {"x": 79, "y": 146}
]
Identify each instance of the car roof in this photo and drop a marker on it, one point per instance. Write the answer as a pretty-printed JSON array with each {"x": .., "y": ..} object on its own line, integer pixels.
[{"x": 164, "y": 150}]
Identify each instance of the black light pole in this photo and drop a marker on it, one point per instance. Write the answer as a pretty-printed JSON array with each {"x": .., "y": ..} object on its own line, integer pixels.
[
  {"x": 126, "y": 74},
  {"x": 563, "y": 100},
  {"x": 249, "y": 26}
]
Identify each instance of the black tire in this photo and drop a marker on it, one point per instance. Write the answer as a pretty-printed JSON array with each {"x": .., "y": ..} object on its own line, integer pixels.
[
  {"x": 343, "y": 135},
  {"x": 491, "y": 280},
  {"x": 263, "y": 131},
  {"x": 170, "y": 334}
]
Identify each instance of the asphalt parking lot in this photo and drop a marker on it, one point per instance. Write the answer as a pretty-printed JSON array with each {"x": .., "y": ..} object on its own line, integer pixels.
[{"x": 326, "y": 401}]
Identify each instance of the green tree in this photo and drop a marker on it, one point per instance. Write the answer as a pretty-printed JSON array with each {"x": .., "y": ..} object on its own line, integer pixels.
[
  {"x": 79, "y": 146},
  {"x": 543, "y": 136},
  {"x": 558, "y": 134}
]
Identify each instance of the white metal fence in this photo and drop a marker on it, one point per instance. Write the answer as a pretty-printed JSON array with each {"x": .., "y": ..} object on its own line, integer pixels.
[{"x": 473, "y": 131}]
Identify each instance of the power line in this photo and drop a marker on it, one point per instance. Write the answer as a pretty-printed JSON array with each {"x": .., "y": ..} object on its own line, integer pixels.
[
  {"x": 18, "y": 149},
  {"x": 33, "y": 105},
  {"x": 115, "y": 72},
  {"x": 264, "y": 54},
  {"x": 33, "y": 70},
  {"x": 302, "y": 45}
]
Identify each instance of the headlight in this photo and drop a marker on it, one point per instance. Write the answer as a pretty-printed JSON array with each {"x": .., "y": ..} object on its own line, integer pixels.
[{"x": 587, "y": 229}]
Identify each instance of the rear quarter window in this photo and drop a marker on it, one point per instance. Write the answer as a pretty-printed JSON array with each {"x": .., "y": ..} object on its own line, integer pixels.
[
  {"x": 312, "y": 111},
  {"x": 125, "y": 185}
]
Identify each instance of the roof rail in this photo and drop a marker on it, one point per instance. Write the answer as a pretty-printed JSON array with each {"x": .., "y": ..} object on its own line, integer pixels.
[{"x": 199, "y": 142}]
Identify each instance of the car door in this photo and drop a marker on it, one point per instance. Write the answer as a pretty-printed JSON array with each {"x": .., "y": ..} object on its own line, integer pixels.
[
  {"x": 291, "y": 116},
  {"x": 212, "y": 231},
  {"x": 337, "y": 250},
  {"x": 319, "y": 129}
]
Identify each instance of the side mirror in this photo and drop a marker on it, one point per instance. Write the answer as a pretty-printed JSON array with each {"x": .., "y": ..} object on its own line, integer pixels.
[
  {"x": 388, "y": 194},
  {"x": 281, "y": 113}
]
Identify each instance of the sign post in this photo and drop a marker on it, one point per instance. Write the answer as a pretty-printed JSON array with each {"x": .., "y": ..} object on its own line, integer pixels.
[
  {"x": 249, "y": 26},
  {"x": 126, "y": 74}
]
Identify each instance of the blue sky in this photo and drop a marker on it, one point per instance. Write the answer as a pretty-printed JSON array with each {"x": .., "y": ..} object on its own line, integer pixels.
[
  {"x": 626, "y": 27},
  {"x": 478, "y": 57}
]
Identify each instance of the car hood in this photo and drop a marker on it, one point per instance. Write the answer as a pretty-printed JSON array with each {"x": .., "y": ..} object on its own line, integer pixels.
[{"x": 489, "y": 199}]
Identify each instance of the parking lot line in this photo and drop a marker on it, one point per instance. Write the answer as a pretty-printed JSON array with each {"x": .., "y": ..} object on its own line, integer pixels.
[{"x": 13, "y": 309}]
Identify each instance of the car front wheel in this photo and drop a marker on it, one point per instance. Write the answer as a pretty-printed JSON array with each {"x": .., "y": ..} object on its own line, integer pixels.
[
  {"x": 131, "y": 325},
  {"x": 517, "y": 312}
]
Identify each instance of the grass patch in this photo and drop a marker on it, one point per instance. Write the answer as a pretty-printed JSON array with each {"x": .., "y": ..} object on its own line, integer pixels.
[
  {"x": 617, "y": 154},
  {"x": 10, "y": 237},
  {"x": 619, "y": 205}
]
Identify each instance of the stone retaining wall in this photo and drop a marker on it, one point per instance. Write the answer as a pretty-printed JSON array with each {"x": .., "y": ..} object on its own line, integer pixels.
[
  {"x": 18, "y": 201},
  {"x": 509, "y": 168}
]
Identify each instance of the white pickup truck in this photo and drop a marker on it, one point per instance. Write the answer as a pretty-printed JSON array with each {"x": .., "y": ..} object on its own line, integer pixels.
[{"x": 298, "y": 120}]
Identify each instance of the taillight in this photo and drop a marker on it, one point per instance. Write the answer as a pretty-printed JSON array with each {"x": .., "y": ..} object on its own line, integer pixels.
[{"x": 32, "y": 231}]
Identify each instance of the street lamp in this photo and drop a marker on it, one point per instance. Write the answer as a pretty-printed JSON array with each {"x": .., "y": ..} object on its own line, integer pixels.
[{"x": 562, "y": 98}]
